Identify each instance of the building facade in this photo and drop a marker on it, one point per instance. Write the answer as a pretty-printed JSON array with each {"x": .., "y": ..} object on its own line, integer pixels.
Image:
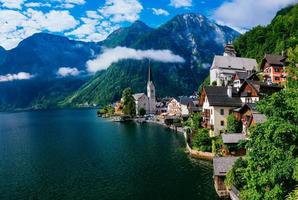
[
  {"x": 273, "y": 67},
  {"x": 224, "y": 67},
  {"x": 217, "y": 103}
]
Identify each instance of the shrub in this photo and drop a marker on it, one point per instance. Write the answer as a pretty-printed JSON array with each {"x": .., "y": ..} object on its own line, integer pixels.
[
  {"x": 233, "y": 125},
  {"x": 142, "y": 111},
  {"x": 202, "y": 141}
]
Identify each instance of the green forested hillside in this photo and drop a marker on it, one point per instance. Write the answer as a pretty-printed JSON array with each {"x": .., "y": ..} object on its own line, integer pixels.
[
  {"x": 191, "y": 36},
  {"x": 278, "y": 36}
]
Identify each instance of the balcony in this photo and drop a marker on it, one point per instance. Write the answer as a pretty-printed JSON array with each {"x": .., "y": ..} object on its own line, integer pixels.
[
  {"x": 206, "y": 124},
  {"x": 206, "y": 113}
]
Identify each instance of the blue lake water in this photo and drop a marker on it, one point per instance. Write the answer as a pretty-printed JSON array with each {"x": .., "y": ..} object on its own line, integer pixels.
[{"x": 72, "y": 155}]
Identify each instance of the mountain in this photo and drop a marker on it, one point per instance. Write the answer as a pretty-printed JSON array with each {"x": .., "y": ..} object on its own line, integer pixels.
[
  {"x": 2, "y": 55},
  {"x": 278, "y": 36},
  {"x": 192, "y": 36},
  {"x": 42, "y": 55},
  {"x": 126, "y": 36}
]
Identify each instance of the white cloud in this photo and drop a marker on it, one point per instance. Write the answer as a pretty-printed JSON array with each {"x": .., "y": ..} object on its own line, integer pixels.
[
  {"x": 37, "y": 4},
  {"x": 67, "y": 71},
  {"x": 93, "y": 14},
  {"x": 16, "y": 26},
  {"x": 68, "y": 4},
  {"x": 122, "y": 10},
  {"x": 93, "y": 28},
  {"x": 110, "y": 56},
  {"x": 13, "y": 77},
  {"x": 160, "y": 11},
  {"x": 14, "y": 4},
  {"x": 181, "y": 3},
  {"x": 245, "y": 14}
]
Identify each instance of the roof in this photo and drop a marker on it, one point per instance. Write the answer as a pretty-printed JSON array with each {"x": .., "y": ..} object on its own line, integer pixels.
[
  {"x": 186, "y": 101},
  {"x": 250, "y": 106},
  {"x": 263, "y": 87},
  {"x": 242, "y": 75},
  {"x": 259, "y": 118},
  {"x": 221, "y": 165},
  {"x": 234, "y": 63},
  {"x": 233, "y": 138},
  {"x": 217, "y": 96},
  {"x": 274, "y": 59},
  {"x": 138, "y": 96}
]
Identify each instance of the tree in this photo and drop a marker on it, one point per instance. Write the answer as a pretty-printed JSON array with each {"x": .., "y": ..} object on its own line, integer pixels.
[
  {"x": 142, "y": 111},
  {"x": 233, "y": 125},
  {"x": 107, "y": 110},
  {"x": 202, "y": 140},
  {"x": 129, "y": 106},
  {"x": 281, "y": 105},
  {"x": 206, "y": 82},
  {"x": 232, "y": 178},
  {"x": 272, "y": 151},
  {"x": 292, "y": 70},
  {"x": 271, "y": 156},
  {"x": 194, "y": 122}
]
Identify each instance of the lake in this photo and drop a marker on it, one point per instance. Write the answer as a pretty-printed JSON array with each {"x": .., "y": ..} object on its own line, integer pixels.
[{"x": 72, "y": 154}]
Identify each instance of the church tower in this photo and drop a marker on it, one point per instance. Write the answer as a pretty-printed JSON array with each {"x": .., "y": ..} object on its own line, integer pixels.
[
  {"x": 230, "y": 50},
  {"x": 151, "y": 93}
]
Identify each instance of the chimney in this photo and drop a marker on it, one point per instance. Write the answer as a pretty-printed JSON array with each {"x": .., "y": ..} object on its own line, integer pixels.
[{"x": 229, "y": 91}]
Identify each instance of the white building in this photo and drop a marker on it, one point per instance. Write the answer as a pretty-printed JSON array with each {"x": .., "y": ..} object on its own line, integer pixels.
[
  {"x": 224, "y": 67},
  {"x": 217, "y": 103},
  {"x": 147, "y": 102}
]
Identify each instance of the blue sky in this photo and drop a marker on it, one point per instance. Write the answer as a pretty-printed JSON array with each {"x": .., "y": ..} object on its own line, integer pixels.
[{"x": 93, "y": 20}]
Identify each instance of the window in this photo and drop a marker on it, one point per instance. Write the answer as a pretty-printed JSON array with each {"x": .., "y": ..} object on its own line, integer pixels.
[
  {"x": 276, "y": 78},
  {"x": 222, "y": 123},
  {"x": 222, "y": 111},
  {"x": 276, "y": 69}
]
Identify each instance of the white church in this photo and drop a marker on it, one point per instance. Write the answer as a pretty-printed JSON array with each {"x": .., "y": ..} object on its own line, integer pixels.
[{"x": 148, "y": 102}]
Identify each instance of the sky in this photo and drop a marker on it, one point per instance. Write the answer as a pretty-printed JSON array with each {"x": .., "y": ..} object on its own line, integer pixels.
[{"x": 94, "y": 20}]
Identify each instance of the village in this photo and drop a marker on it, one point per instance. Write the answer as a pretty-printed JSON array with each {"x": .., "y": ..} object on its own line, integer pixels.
[{"x": 222, "y": 112}]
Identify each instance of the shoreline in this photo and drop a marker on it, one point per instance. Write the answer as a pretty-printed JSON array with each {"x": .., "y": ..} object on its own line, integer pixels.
[{"x": 191, "y": 152}]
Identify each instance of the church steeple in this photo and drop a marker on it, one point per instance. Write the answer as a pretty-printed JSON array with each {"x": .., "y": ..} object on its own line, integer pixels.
[
  {"x": 149, "y": 73},
  {"x": 151, "y": 91}
]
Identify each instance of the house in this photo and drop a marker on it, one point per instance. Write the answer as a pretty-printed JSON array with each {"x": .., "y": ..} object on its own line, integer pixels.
[
  {"x": 118, "y": 108},
  {"x": 161, "y": 107},
  {"x": 231, "y": 144},
  {"x": 251, "y": 91},
  {"x": 147, "y": 102},
  {"x": 141, "y": 101},
  {"x": 249, "y": 116},
  {"x": 174, "y": 108},
  {"x": 188, "y": 105},
  {"x": 224, "y": 67},
  {"x": 217, "y": 103},
  {"x": 273, "y": 67},
  {"x": 221, "y": 166},
  {"x": 240, "y": 77}
]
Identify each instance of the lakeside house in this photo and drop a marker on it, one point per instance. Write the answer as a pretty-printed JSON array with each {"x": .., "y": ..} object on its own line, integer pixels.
[
  {"x": 251, "y": 91},
  {"x": 221, "y": 166},
  {"x": 273, "y": 67},
  {"x": 249, "y": 116},
  {"x": 217, "y": 103},
  {"x": 231, "y": 144},
  {"x": 224, "y": 67},
  {"x": 240, "y": 77}
]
